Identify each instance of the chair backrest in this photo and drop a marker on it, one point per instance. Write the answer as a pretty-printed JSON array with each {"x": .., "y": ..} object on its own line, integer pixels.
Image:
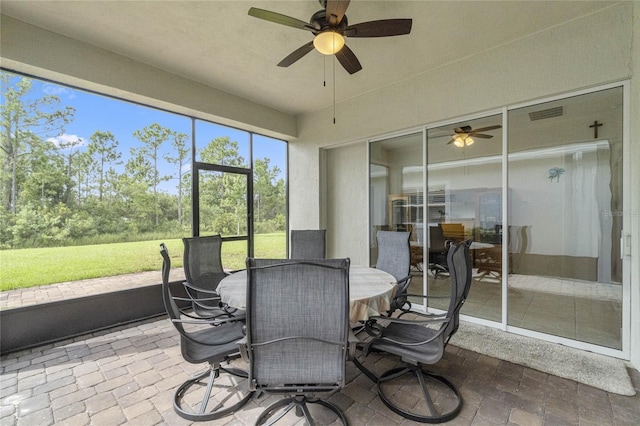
[
  {"x": 394, "y": 253},
  {"x": 436, "y": 239},
  {"x": 297, "y": 323},
  {"x": 460, "y": 268},
  {"x": 169, "y": 303},
  {"x": 308, "y": 244},
  {"x": 203, "y": 261}
]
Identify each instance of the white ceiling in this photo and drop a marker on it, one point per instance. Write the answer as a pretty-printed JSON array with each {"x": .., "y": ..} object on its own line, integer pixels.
[{"x": 216, "y": 43}]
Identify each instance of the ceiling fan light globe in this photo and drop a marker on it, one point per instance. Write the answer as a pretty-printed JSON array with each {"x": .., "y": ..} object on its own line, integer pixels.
[
  {"x": 468, "y": 141},
  {"x": 459, "y": 142},
  {"x": 328, "y": 42}
]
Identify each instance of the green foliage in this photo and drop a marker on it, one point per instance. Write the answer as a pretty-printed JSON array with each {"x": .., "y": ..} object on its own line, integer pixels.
[{"x": 59, "y": 192}]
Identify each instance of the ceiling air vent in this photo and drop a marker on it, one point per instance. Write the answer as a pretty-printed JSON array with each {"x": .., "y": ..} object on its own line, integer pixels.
[{"x": 546, "y": 113}]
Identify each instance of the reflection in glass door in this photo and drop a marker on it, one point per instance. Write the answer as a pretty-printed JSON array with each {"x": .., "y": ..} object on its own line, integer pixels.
[
  {"x": 396, "y": 197},
  {"x": 565, "y": 187},
  {"x": 464, "y": 178}
]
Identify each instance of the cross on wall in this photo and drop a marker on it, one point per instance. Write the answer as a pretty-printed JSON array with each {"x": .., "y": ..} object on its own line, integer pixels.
[{"x": 595, "y": 126}]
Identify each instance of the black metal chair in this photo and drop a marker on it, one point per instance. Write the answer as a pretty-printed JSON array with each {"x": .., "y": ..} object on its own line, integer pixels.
[
  {"x": 201, "y": 343},
  {"x": 438, "y": 247},
  {"x": 308, "y": 244},
  {"x": 203, "y": 271},
  {"x": 299, "y": 351},
  {"x": 421, "y": 340},
  {"x": 394, "y": 257}
]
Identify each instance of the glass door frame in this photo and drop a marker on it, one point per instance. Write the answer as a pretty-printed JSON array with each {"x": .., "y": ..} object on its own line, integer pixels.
[{"x": 195, "y": 210}]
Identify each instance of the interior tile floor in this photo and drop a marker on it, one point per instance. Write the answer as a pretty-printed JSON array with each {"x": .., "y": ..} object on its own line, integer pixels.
[
  {"x": 127, "y": 375},
  {"x": 584, "y": 311}
]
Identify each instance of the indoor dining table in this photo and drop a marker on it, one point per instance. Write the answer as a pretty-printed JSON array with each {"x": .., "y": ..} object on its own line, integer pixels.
[{"x": 370, "y": 291}]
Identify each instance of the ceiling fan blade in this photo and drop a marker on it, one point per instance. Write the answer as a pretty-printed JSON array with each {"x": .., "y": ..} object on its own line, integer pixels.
[
  {"x": 480, "y": 135},
  {"x": 450, "y": 142},
  {"x": 280, "y": 19},
  {"x": 382, "y": 28},
  {"x": 485, "y": 129},
  {"x": 348, "y": 60},
  {"x": 296, "y": 54},
  {"x": 335, "y": 10}
]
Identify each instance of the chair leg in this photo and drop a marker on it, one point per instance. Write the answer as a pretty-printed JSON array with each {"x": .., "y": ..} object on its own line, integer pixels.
[
  {"x": 437, "y": 413},
  {"x": 219, "y": 409},
  {"x": 275, "y": 412}
]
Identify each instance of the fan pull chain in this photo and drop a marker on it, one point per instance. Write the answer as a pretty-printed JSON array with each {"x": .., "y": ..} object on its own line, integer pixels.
[
  {"x": 334, "y": 89},
  {"x": 324, "y": 71}
]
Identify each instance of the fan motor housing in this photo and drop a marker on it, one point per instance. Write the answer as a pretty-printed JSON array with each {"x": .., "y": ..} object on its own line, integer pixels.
[{"x": 319, "y": 21}]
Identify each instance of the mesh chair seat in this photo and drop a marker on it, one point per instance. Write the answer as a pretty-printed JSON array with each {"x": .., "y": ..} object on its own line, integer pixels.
[
  {"x": 205, "y": 345},
  {"x": 426, "y": 353}
]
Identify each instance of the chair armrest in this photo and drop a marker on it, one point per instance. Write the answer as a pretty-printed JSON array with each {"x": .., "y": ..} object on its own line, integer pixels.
[
  {"x": 188, "y": 286},
  {"x": 244, "y": 349}
]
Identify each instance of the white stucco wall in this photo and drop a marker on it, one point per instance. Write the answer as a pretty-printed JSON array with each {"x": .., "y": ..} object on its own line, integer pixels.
[{"x": 600, "y": 48}]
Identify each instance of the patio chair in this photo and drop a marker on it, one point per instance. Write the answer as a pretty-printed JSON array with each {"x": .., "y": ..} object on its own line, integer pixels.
[
  {"x": 203, "y": 272},
  {"x": 421, "y": 340},
  {"x": 308, "y": 244},
  {"x": 200, "y": 343},
  {"x": 394, "y": 257},
  {"x": 299, "y": 351}
]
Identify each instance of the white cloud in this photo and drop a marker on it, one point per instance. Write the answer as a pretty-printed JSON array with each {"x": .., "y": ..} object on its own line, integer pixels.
[
  {"x": 52, "y": 89},
  {"x": 64, "y": 139}
]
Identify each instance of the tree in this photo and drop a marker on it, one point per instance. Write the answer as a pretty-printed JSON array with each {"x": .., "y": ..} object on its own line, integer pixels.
[
  {"x": 68, "y": 145},
  {"x": 152, "y": 137},
  {"x": 180, "y": 160},
  {"x": 24, "y": 122},
  {"x": 104, "y": 150},
  {"x": 269, "y": 191}
]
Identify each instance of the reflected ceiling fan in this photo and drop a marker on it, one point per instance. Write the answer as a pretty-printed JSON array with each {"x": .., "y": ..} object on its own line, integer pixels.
[
  {"x": 330, "y": 27},
  {"x": 463, "y": 135}
]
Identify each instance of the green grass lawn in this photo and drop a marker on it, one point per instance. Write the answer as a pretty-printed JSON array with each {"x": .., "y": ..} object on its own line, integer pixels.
[{"x": 40, "y": 266}]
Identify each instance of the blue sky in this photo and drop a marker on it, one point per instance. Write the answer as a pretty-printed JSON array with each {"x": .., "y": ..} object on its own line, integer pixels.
[{"x": 96, "y": 112}]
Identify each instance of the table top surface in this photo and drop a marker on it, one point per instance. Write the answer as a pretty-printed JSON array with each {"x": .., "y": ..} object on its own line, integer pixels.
[{"x": 370, "y": 291}]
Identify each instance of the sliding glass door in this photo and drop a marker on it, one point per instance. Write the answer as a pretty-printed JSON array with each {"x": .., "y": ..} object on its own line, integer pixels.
[
  {"x": 464, "y": 177},
  {"x": 538, "y": 192},
  {"x": 565, "y": 188}
]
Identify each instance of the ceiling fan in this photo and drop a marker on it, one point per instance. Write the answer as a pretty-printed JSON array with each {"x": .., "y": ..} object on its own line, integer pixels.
[
  {"x": 330, "y": 27},
  {"x": 463, "y": 135}
]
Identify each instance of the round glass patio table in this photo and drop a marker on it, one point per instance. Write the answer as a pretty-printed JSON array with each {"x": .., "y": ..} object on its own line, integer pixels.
[{"x": 370, "y": 291}]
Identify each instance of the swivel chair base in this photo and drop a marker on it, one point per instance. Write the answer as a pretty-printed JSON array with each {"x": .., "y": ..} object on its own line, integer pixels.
[
  {"x": 436, "y": 414},
  {"x": 273, "y": 413},
  {"x": 219, "y": 410}
]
